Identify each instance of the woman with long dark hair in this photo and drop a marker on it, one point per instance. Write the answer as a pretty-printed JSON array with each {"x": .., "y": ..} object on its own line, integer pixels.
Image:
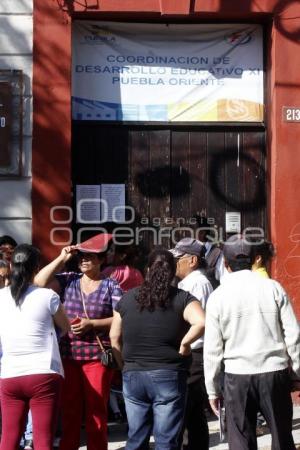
[
  {"x": 31, "y": 368},
  {"x": 154, "y": 326}
]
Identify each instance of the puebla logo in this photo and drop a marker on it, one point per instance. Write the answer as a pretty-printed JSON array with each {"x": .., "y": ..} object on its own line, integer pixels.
[{"x": 98, "y": 36}]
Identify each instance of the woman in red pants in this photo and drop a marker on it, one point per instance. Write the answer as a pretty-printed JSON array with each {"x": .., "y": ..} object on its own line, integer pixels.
[
  {"x": 89, "y": 300},
  {"x": 31, "y": 368}
]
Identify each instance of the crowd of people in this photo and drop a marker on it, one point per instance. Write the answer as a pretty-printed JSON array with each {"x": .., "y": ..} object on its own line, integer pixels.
[{"x": 57, "y": 326}]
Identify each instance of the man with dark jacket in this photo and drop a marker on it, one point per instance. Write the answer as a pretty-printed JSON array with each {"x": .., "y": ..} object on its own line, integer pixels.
[{"x": 213, "y": 253}]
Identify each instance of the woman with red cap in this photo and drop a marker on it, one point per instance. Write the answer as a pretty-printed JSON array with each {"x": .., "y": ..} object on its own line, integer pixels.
[{"x": 89, "y": 300}]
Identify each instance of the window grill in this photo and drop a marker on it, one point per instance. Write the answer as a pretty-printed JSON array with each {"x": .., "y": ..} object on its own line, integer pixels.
[{"x": 11, "y": 122}]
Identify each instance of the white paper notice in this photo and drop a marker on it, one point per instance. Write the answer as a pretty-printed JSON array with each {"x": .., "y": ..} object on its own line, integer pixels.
[
  {"x": 88, "y": 203},
  {"x": 113, "y": 196},
  {"x": 233, "y": 222}
]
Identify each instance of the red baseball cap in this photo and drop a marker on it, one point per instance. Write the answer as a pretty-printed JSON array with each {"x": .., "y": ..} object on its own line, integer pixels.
[{"x": 96, "y": 244}]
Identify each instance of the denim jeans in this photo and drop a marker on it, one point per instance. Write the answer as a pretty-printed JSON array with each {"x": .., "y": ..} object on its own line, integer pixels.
[
  {"x": 154, "y": 401},
  {"x": 28, "y": 430}
]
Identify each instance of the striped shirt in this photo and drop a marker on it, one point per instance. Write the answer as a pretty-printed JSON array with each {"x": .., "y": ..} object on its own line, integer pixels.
[{"x": 99, "y": 305}]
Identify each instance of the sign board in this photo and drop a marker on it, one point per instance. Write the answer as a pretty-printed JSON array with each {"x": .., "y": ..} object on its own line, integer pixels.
[
  {"x": 98, "y": 203},
  {"x": 167, "y": 73},
  {"x": 291, "y": 114},
  {"x": 114, "y": 197},
  {"x": 88, "y": 209},
  {"x": 5, "y": 123},
  {"x": 233, "y": 222}
]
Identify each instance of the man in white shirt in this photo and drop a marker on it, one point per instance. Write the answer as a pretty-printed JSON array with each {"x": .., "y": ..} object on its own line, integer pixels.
[
  {"x": 251, "y": 326},
  {"x": 189, "y": 254}
]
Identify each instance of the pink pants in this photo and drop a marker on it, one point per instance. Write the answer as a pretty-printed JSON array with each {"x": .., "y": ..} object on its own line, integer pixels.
[
  {"x": 86, "y": 388},
  {"x": 41, "y": 394}
]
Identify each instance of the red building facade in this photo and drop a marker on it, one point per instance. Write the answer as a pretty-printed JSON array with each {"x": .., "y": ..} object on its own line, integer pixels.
[{"x": 52, "y": 125}]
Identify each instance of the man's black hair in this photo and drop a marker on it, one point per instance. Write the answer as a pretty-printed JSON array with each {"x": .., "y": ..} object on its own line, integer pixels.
[
  {"x": 239, "y": 264},
  {"x": 7, "y": 240},
  {"x": 264, "y": 249}
]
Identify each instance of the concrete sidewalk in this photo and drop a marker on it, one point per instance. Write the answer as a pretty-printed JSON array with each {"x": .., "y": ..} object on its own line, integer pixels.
[
  {"x": 117, "y": 435},
  {"x": 264, "y": 442}
]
